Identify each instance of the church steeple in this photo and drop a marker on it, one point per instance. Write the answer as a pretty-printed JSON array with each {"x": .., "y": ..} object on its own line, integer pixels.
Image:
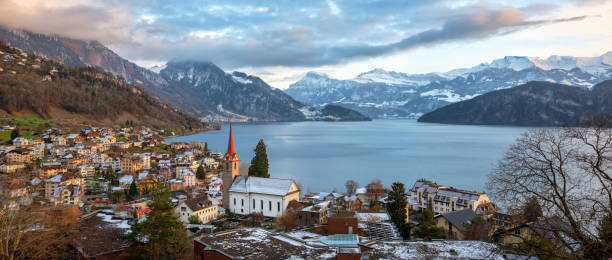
[
  {"x": 231, "y": 151},
  {"x": 231, "y": 167}
]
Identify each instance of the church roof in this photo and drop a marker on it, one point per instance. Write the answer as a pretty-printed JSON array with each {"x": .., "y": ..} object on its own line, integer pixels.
[
  {"x": 259, "y": 185},
  {"x": 231, "y": 151}
]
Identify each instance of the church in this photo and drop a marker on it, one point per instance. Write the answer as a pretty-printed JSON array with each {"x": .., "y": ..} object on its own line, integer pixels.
[{"x": 244, "y": 195}]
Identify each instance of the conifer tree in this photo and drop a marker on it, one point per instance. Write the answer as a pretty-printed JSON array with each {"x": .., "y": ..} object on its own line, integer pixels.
[
  {"x": 133, "y": 190},
  {"x": 427, "y": 225},
  {"x": 14, "y": 133},
  {"x": 161, "y": 235},
  {"x": 532, "y": 210},
  {"x": 201, "y": 173},
  {"x": 397, "y": 208},
  {"x": 259, "y": 163}
]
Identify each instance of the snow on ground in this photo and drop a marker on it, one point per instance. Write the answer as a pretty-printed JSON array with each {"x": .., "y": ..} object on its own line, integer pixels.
[
  {"x": 118, "y": 223},
  {"x": 447, "y": 95},
  {"x": 448, "y": 249},
  {"x": 303, "y": 235}
]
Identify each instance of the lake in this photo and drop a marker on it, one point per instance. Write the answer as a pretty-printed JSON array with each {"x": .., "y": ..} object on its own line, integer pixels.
[{"x": 321, "y": 156}]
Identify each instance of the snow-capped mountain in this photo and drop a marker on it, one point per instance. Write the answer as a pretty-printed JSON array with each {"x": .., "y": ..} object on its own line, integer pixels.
[
  {"x": 379, "y": 93},
  {"x": 398, "y": 78}
]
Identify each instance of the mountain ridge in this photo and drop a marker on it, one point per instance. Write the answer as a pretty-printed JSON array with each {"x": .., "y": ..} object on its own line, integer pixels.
[{"x": 535, "y": 103}]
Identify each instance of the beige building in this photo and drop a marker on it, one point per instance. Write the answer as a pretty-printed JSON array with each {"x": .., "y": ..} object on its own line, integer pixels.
[
  {"x": 19, "y": 155},
  {"x": 444, "y": 199},
  {"x": 199, "y": 207},
  {"x": 130, "y": 164},
  {"x": 48, "y": 170},
  {"x": 11, "y": 167},
  {"x": 454, "y": 223},
  {"x": 65, "y": 179}
]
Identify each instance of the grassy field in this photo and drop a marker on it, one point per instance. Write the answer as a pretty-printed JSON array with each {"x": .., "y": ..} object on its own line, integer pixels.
[{"x": 26, "y": 124}]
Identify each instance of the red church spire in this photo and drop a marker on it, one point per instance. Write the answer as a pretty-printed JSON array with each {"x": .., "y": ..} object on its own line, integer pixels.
[{"x": 231, "y": 151}]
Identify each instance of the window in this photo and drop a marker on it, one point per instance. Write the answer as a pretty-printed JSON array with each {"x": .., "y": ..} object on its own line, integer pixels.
[
  {"x": 234, "y": 201},
  {"x": 278, "y": 204},
  {"x": 270, "y": 205},
  {"x": 261, "y": 204},
  {"x": 242, "y": 201},
  {"x": 253, "y": 203},
  {"x": 517, "y": 232},
  {"x": 183, "y": 209}
]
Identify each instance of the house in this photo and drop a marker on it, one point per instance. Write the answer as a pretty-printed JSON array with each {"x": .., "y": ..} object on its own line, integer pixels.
[
  {"x": 342, "y": 223},
  {"x": 21, "y": 142},
  {"x": 74, "y": 139},
  {"x": 66, "y": 195},
  {"x": 188, "y": 178},
  {"x": 174, "y": 184},
  {"x": 454, "y": 223},
  {"x": 63, "y": 179},
  {"x": 350, "y": 203},
  {"x": 553, "y": 229},
  {"x": 145, "y": 182},
  {"x": 50, "y": 169},
  {"x": 11, "y": 167},
  {"x": 200, "y": 207},
  {"x": 444, "y": 199},
  {"x": 59, "y": 141},
  {"x": 19, "y": 155},
  {"x": 86, "y": 170},
  {"x": 130, "y": 164},
  {"x": 313, "y": 215},
  {"x": 268, "y": 196}
]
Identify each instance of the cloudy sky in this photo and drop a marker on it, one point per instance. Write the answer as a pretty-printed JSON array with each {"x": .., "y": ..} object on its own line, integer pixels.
[{"x": 281, "y": 40}]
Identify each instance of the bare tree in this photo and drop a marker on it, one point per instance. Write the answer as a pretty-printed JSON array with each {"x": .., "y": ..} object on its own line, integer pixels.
[
  {"x": 351, "y": 187},
  {"x": 375, "y": 190},
  {"x": 569, "y": 172}
]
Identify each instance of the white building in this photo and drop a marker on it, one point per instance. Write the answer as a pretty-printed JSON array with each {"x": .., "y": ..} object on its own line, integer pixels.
[
  {"x": 444, "y": 199},
  {"x": 201, "y": 208},
  {"x": 87, "y": 170},
  {"x": 268, "y": 196},
  {"x": 188, "y": 178}
]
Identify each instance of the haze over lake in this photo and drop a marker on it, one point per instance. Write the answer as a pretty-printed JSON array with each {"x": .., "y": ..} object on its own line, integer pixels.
[{"x": 321, "y": 156}]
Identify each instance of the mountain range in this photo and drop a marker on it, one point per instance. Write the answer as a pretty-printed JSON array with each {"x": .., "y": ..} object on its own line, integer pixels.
[
  {"x": 198, "y": 88},
  {"x": 536, "y": 103},
  {"x": 382, "y": 94}
]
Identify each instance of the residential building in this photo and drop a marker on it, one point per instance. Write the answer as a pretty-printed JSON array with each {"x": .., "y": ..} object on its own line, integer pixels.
[
  {"x": 63, "y": 179},
  {"x": 200, "y": 207},
  {"x": 19, "y": 155},
  {"x": 86, "y": 170},
  {"x": 11, "y": 167},
  {"x": 444, "y": 199},
  {"x": 21, "y": 142},
  {"x": 50, "y": 169},
  {"x": 66, "y": 195},
  {"x": 130, "y": 164},
  {"x": 313, "y": 215},
  {"x": 454, "y": 223},
  {"x": 188, "y": 177}
]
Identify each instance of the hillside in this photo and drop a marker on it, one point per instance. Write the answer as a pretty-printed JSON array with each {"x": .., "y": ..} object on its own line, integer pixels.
[
  {"x": 532, "y": 104},
  {"x": 33, "y": 85},
  {"x": 344, "y": 113}
]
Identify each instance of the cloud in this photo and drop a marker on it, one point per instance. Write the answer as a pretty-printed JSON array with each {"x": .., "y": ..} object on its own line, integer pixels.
[
  {"x": 244, "y": 33},
  {"x": 81, "y": 19}
]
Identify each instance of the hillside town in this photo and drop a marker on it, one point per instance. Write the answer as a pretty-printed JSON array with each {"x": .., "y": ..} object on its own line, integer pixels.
[{"x": 104, "y": 180}]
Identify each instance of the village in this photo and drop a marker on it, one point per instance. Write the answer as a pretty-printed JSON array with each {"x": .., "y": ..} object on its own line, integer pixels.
[{"x": 102, "y": 180}]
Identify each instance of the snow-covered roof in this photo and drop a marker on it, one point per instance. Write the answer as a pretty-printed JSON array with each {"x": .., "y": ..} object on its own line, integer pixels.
[
  {"x": 35, "y": 181},
  {"x": 142, "y": 175},
  {"x": 373, "y": 216},
  {"x": 361, "y": 190},
  {"x": 126, "y": 179},
  {"x": 317, "y": 207},
  {"x": 56, "y": 178},
  {"x": 259, "y": 185}
]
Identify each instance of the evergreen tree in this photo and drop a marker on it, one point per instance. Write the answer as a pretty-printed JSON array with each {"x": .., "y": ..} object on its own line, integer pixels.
[
  {"x": 427, "y": 225},
  {"x": 259, "y": 163},
  {"x": 397, "y": 208},
  {"x": 161, "y": 235},
  {"x": 206, "y": 148},
  {"x": 201, "y": 173},
  {"x": 133, "y": 190},
  {"x": 14, "y": 134},
  {"x": 532, "y": 210}
]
